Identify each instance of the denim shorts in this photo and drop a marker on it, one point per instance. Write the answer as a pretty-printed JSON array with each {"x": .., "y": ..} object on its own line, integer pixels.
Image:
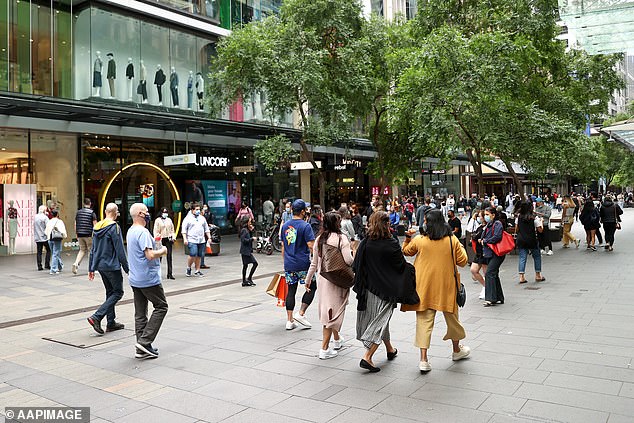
[{"x": 197, "y": 250}]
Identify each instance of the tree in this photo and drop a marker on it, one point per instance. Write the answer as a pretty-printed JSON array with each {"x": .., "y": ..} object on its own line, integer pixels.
[{"x": 310, "y": 60}]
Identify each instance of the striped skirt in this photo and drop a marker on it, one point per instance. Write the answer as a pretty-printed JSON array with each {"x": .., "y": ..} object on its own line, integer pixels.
[{"x": 373, "y": 324}]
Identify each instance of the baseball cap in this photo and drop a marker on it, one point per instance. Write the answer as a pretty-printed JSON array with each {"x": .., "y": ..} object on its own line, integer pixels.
[
  {"x": 298, "y": 205},
  {"x": 539, "y": 200}
]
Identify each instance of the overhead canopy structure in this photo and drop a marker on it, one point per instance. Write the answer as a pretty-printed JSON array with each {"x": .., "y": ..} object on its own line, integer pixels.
[
  {"x": 622, "y": 132},
  {"x": 599, "y": 26}
]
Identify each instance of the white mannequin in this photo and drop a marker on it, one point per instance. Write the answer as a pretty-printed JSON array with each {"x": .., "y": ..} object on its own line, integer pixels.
[
  {"x": 12, "y": 229},
  {"x": 190, "y": 90},
  {"x": 143, "y": 82},
  {"x": 129, "y": 76},
  {"x": 96, "y": 75}
]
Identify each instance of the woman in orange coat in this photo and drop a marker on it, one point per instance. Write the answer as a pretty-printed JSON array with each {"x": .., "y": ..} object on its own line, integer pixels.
[{"x": 437, "y": 252}]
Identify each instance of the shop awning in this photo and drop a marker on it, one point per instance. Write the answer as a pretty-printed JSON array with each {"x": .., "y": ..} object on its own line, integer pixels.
[{"x": 622, "y": 132}]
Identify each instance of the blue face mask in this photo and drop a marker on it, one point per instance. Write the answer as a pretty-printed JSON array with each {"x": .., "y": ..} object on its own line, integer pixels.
[
  {"x": 479, "y": 219},
  {"x": 147, "y": 218},
  {"x": 487, "y": 218},
  {"x": 197, "y": 213}
]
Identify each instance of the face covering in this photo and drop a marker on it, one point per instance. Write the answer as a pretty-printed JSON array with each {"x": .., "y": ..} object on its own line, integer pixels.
[
  {"x": 487, "y": 218},
  {"x": 147, "y": 218},
  {"x": 288, "y": 209},
  {"x": 479, "y": 219},
  {"x": 197, "y": 213},
  {"x": 164, "y": 215}
]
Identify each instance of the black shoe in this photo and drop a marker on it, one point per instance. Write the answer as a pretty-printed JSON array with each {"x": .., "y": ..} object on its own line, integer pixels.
[
  {"x": 41, "y": 268},
  {"x": 147, "y": 349},
  {"x": 96, "y": 325},
  {"x": 250, "y": 282},
  {"x": 392, "y": 355},
  {"x": 47, "y": 267},
  {"x": 365, "y": 365},
  {"x": 115, "y": 326},
  {"x": 204, "y": 266},
  {"x": 246, "y": 283},
  {"x": 171, "y": 277},
  {"x": 142, "y": 355}
]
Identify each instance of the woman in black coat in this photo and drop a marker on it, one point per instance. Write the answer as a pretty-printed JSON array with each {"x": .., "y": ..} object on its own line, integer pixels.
[
  {"x": 610, "y": 217},
  {"x": 246, "y": 251}
]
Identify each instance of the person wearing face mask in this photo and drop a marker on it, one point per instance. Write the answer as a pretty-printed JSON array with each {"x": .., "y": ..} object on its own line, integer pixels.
[
  {"x": 107, "y": 256},
  {"x": 195, "y": 232},
  {"x": 492, "y": 234},
  {"x": 164, "y": 228},
  {"x": 479, "y": 262}
]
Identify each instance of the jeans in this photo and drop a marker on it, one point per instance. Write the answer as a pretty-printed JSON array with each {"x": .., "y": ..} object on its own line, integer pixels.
[
  {"x": 146, "y": 330},
  {"x": 493, "y": 286},
  {"x": 537, "y": 259},
  {"x": 113, "y": 282},
  {"x": 56, "y": 249},
  {"x": 47, "y": 259}
]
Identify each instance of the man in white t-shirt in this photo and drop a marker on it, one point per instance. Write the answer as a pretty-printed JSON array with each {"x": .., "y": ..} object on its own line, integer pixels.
[{"x": 145, "y": 280}]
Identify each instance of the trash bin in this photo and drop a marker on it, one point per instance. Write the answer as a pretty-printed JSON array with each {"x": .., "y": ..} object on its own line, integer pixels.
[{"x": 556, "y": 233}]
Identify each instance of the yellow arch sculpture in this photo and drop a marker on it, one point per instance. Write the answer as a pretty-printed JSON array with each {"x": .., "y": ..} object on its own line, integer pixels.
[{"x": 160, "y": 171}]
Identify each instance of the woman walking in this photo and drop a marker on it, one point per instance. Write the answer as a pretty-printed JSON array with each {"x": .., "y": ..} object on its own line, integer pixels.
[
  {"x": 610, "y": 217},
  {"x": 589, "y": 218},
  {"x": 378, "y": 264},
  {"x": 55, "y": 233},
  {"x": 437, "y": 252},
  {"x": 492, "y": 234},
  {"x": 479, "y": 262},
  {"x": 567, "y": 219},
  {"x": 527, "y": 242},
  {"x": 164, "y": 228},
  {"x": 246, "y": 251},
  {"x": 332, "y": 298}
]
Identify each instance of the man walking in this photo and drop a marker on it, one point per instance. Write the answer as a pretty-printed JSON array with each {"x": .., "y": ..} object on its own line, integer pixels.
[
  {"x": 267, "y": 209},
  {"x": 297, "y": 239},
  {"x": 145, "y": 280},
  {"x": 195, "y": 232},
  {"x": 107, "y": 256},
  {"x": 85, "y": 219},
  {"x": 39, "y": 233},
  {"x": 455, "y": 224},
  {"x": 544, "y": 211}
]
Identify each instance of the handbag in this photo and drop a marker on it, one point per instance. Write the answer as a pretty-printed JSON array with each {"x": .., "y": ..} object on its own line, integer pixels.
[
  {"x": 334, "y": 267},
  {"x": 616, "y": 218},
  {"x": 272, "y": 288},
  {"x": 505, "y": 246},
  {"x": 56, "y": 234},
  {"x": 461, "y": 293}
]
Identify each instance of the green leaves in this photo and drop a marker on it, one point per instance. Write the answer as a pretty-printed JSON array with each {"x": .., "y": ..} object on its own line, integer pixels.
[{"x": 275, "y": 153}]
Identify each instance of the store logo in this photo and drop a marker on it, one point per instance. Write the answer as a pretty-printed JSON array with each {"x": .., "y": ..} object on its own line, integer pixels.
[{"x": 213, "y": 161}]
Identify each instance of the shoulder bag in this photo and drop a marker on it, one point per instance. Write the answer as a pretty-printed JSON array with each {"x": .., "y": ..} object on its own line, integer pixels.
[
  {"x": 505, "y": 246},
  {"x": 461, "y": 293},
  {"x": 616, "y": 219},
  {"x": 56, "y": 234},
  {"x": 334, "y": 267}
]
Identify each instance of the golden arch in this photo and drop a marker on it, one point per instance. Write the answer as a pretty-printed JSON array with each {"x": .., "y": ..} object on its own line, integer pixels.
[{"x": 160, "y": 171}]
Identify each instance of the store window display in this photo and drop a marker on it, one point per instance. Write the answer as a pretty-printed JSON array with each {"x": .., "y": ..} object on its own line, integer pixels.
[
  {"x": 142, "y": 88},
  {"x": 190, "y": 90},
  {"x": 96, "y": 75},
  {"x": 174, "y": 87},
  {"x": 12, "y": 226},
  {"x": 200, "y": 90},
  {"x": 129, "y": 76},
  {"x": 159, "y": 80}
]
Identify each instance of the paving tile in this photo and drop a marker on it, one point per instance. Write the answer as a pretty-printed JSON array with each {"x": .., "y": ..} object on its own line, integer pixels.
[
  {"x": 303, "y": 408},
  {"x": 260, "y": 378},
  {"x": 403, "y": 388},
  {"x": 180, "y": 379},
  {"x": 251, "y": 415},
  {"x": 617, "y": 418},
  {"x": 448, "y": 394},
  {"x": 353, "y": 379},
  {"x": 590, "y": 370},
  {"x": 560, "y": 413},
  {"x": 357, "y": 398},
  {"x": 156, "y": 415},
  {"x": 355, "y": 415},
  {"x": 228, "y": 391},
  {"x": 264, "y": 400},
  {"x": 583, "y": 383},
  {"x": 429, "y": 411},
  {"x": 627, "y": 390},
  {"x": 502, "y": 404},
  {"x": 528, "y": 375},
  {"x": 285, "y": 367},
  {"x": 477, "y": 383},
  {"x": 196, "y": 406}
]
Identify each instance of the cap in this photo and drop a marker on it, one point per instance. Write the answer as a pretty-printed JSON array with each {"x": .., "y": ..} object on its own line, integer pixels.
[
  {"x": 539, "y": 200},
  {"x": 298, "y": 205}
]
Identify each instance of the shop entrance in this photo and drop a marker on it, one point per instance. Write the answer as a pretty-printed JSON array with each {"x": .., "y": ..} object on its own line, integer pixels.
[{"x": 140, "y": 182}]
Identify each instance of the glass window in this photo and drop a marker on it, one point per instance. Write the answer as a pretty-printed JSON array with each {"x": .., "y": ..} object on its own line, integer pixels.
[
  {"x": 184, "y": 65},
  {"x": 82, "y": 57},
  {"x": 41, "y": 53},
  {"x": 62, "y": 49},
  {"x": 4, "y": 45},
  {"x": 155, "y": 54},
  {"x": 20, "y": 48}
]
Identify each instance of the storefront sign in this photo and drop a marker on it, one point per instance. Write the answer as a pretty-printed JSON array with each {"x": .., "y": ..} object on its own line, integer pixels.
[
  {"x": 347, "y": 180},
  {"x": 24, "y": 199},
  {"x": 181, "y": 159},
  {"x": 213, "y": 161},
  {"x": 433, "y": 171},
  {"x": 304, "y": 165},
  {"x": 355, "y": 163},
  {"x": 243, "y": 169},
  {"x": 342, "y": 167}
]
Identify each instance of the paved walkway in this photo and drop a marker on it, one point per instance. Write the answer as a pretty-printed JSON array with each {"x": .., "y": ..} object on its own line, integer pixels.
[{"x": 557, "y": 351}]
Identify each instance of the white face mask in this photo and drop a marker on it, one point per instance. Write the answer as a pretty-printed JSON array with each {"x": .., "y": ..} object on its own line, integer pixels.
[{"x": 164, "y": 215}]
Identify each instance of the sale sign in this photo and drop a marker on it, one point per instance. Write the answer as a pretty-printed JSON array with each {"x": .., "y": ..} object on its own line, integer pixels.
[{"x": 24, "y": 199}]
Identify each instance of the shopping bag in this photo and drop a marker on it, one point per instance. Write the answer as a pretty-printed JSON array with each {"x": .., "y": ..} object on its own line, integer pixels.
[
  {"x": 505, "y": 246},
  {"x": 272, "y": 289},
  {"x": 282, "y": 291}
]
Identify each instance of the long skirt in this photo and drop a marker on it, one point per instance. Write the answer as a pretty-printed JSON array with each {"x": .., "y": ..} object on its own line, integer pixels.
[{"x": 373, "y": 324}]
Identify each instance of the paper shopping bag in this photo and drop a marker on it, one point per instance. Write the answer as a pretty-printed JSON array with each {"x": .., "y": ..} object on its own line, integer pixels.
[
  {"x": 272, "y": 288},
  {"x": 282, "y": 290}
]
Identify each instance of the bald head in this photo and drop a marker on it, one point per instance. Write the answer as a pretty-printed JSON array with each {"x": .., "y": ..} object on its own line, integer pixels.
[
  {"x": 138, "y": 212},
  {"x": 111, "y": 211},
  {"x": 41, "y": 209}
]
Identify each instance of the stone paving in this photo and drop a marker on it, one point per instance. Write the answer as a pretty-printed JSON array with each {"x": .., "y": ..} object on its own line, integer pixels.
[{"x": 557, "y": 351}]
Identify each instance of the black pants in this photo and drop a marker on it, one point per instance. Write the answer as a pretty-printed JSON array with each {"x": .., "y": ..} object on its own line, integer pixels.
[
  {"x": 146, "y": 330},
  {"x": 599, "y": 236},
  {"x": 167, "y": 243},
  {"x": 493, "y": 286},
  {"x": 47, "y": 259},
  {"x": 544, "y": 238},
  {"x": 159, "y": 90},
  {"x": 246, "y": 260},
  {"x": 174, "y": 96},
  {"x": 307, "y": 298},
  {"x": 610, "y": 229}
]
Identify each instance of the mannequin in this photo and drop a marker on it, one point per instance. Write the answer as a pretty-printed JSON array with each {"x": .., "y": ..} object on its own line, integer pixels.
[
  {"x": 112, "y": 73},
  {"x": 96, "y": 75},
  {"x": 200, "y": 90},
  {"x": 190, "y": 90},
  {"x": 159, "y": 80},
  {"x": 129, "y": 75},
  {"x": 12, "y": 226},
  {"x": 142, "y": 88},
  {"x": 174, "y": 87}
]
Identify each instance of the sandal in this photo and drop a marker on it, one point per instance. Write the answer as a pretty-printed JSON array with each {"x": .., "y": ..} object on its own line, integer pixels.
[
  {"x": 488, "y": 304},
  {"x": 392, "y": 355},
  {"x": 542, "y": 279},
  {"x": 523, "y": 281}
]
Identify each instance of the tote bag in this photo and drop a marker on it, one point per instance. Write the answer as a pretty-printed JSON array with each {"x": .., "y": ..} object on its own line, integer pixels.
[{"x": 505, "y": 246}]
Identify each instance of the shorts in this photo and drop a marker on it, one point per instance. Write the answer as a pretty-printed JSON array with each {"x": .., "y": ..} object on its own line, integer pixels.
[
  {"x": 197, "y": 250},
  {"x": 482, "y": 260},
  {"x": 248, "y": 259},
  {"x": 294, "y": 277}
]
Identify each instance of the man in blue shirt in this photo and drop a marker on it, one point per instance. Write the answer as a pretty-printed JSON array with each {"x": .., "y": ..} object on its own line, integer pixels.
[
  {"x": 145, "y": 280},
  {"x": 297, "y": 240}
]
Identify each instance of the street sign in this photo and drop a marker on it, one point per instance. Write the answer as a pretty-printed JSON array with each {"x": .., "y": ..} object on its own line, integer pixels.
[{"x": 180, "y": 159}]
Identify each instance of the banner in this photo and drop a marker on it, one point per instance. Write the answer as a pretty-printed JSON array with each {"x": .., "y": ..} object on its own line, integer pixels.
[
  {"x": 215, "y": 193},
  {"x": 24, "y": 199}
]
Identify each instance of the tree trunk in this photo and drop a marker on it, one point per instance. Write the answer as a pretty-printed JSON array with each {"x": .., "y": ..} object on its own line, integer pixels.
[
  {"x": 477, "y": 168},
  {"x": 519, "y": 187},
  {"x": 322, "y": 190}
]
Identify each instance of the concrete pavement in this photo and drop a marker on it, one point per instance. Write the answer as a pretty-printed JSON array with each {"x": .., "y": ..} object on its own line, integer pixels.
[{"x": 560, "y": 350}]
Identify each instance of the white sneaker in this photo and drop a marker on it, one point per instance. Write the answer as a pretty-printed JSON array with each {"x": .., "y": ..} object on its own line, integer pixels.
[
  {"x": 424, "y": 366},
  {"x": 74, "y": 268},
  {"x": 302, "y": 320},
  {"x": 543, "y": 252},
  {"x": 464, "y": 352},
  {"x": 481, "y": 296},
  {"x": 549, "y": 253},
  {"x": 338, "y": 343},
  {"x": 291, "y": 325},
  {"x": 326, "y": 354}
]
